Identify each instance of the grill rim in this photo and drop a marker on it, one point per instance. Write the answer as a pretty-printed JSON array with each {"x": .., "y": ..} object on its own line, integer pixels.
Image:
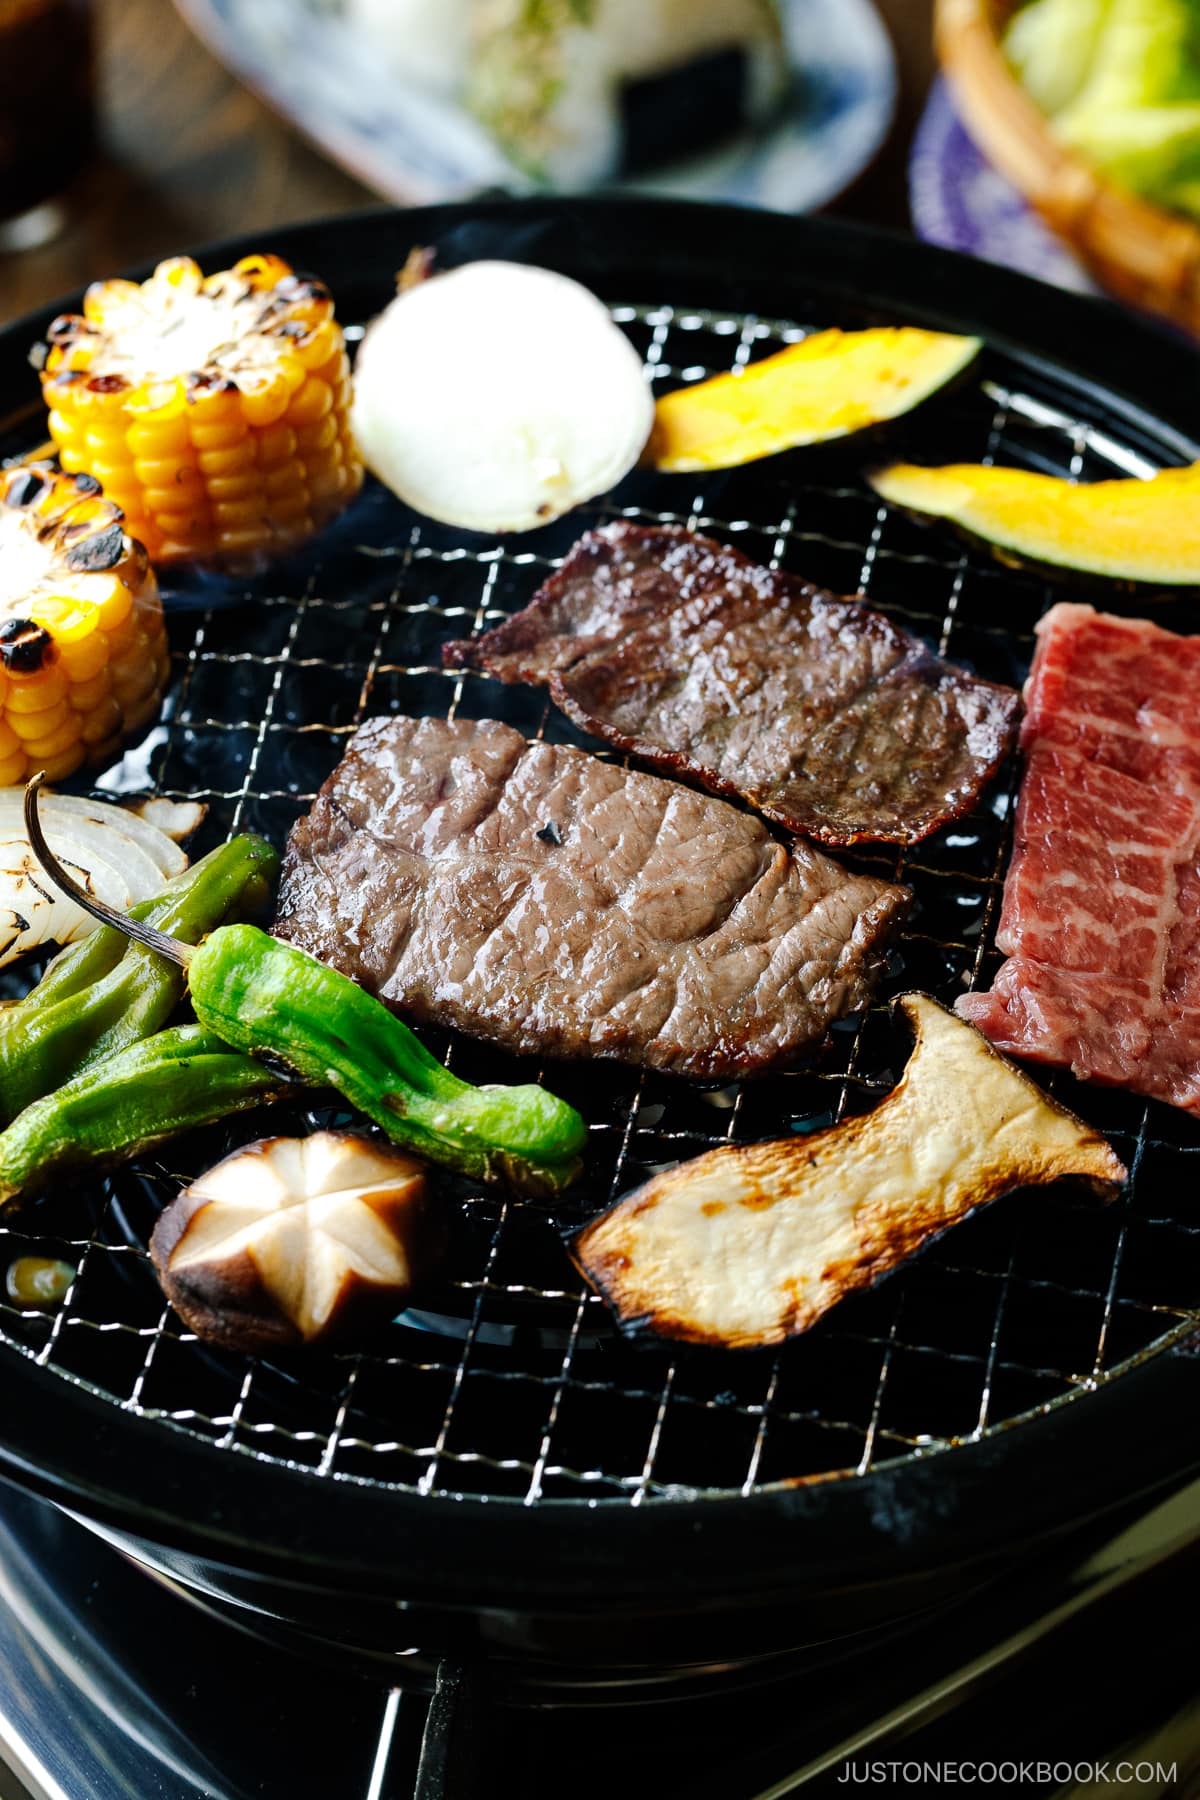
[
  {"x": 1055, "y": 1468},
  {"x": 569, "y": 1559}
]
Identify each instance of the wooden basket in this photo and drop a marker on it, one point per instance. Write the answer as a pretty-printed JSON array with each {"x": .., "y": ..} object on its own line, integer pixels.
[{"x": 1140, "y": 252}]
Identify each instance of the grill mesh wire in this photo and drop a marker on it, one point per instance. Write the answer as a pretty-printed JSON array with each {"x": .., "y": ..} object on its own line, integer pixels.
[{"x": 511, "y": 1383}]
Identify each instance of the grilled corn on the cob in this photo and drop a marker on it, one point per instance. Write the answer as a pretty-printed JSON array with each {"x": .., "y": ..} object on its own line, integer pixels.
[
  {"x": 212, "y": 409},
  {"x": 83, "y": 653}
]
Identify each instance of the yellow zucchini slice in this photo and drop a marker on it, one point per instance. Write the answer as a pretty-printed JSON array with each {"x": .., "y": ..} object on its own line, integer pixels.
[
  {"x": 826, "y": 386},
  {"x": 1135, "y": 531}
]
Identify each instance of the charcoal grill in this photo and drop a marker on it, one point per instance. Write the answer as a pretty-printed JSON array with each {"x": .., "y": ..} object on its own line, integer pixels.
[{"x": 499, "y": 1474}]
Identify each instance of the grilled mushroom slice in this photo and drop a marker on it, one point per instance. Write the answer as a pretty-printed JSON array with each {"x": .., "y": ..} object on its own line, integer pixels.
[
  {"x": 292, "y": 1240},
  {"x": 751, "y": 1245}
]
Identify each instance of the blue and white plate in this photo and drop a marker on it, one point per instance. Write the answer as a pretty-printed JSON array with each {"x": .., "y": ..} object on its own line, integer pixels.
[{"x": 413, "y": 147}]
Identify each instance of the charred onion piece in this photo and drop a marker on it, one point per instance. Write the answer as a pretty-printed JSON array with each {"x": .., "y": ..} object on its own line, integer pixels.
[
  {"x": 498, "y": 396},
  {"x": 116, "y": 856},
  {"x": 750, "y": 1245},
  {"x": 295, "y": 1239},
  {"x": 103, "y": 994}
]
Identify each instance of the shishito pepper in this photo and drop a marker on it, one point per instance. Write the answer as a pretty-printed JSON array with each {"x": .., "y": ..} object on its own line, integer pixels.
[
  {"x": 172, "y": 1082},
  {"x": 278, "y": 1003},
  {"x": 104, "y": 993},
  {"x": 274, "y": 1000}
]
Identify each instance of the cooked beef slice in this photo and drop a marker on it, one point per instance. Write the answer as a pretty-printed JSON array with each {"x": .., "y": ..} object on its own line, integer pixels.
[
  {"x": 828, "y": 718},
  {"x": 559, "y": 905}
]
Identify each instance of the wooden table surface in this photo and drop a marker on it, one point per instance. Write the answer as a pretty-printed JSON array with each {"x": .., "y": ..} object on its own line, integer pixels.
[{"x": 191, "y": 155}]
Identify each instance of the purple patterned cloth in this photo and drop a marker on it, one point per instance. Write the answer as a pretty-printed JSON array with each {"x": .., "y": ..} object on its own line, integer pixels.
[{"x": 958, "y": 200}]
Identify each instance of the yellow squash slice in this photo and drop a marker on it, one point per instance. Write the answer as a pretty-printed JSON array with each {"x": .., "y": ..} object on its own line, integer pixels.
[
  {"x": 751, "y": 1245},
  {"x": 1140, "y": 531},
  {"x": 826, "y": 386}
]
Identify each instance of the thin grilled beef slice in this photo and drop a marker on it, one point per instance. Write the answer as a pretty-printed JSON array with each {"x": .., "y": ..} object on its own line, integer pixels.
[
  {"x": 558, "y": 905},
  {"x": 824, "y": 715}
]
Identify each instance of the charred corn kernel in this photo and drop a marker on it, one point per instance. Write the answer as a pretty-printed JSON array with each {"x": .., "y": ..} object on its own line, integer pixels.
[
  {"x": 185, "y": 501},
  {"x": 321, "y": 347},
  {"x": 162, "y": 474},
  {"x": 80, "y": 621},
  {"x": 45, "y": 749},
  {"x": 114, "y": 607},
  {"x": 320, "y": 436},
  {"x": 262, "y": 270},
  {"x": 312, "y": 402},
  {"x": 83, "y": 658},
  {"x": 56, "y": 768},
  {"x": 225, "y": 488},
  {"x": 65, "y": 619},
  {"x": 158, "y": 440},
  {"x": 277, "y": 444},
  {"x": 231, "y": 459},
  {"x": 325, "y": 488},
  {"x": 242, "y": 543},
  {"x": 34, "y": 692},
  {"x": 182, "y": 528},
  {"x": 112, "y": 457},
  {"x": 32, "y": 727},
  {"x": 87, "y": 695},
  {"x": 196, "y": 395},
  {"x": 286, "y": 478},
  {"x": 102, "y": 726},
  {"x": 238, "y": 515}
]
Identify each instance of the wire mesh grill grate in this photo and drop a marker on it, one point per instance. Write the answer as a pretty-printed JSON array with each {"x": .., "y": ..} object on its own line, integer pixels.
[{"x": 509, "y": 1380}]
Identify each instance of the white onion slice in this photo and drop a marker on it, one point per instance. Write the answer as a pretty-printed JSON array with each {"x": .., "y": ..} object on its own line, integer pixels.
[
  {"x": 497, "y": 397},
  {"x": 177, "y": 818},
  {"x": 118, "y": 856}
]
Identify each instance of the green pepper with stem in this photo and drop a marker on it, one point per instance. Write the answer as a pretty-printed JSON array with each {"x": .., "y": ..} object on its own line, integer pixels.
[
  {"x": 280, "y": 1004},
  {"x": 101, "y": 995},
  {"x": 171, "y": 1082}
]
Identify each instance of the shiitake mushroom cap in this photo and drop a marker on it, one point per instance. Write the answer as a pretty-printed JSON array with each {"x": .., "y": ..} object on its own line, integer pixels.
[{"x": 247, "y": 1295}]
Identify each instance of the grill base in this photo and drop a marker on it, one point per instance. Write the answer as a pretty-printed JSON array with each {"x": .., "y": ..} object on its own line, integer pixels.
[
  {"x": 114, "y": 1686},
  {"x": 586, "y": 1657}
]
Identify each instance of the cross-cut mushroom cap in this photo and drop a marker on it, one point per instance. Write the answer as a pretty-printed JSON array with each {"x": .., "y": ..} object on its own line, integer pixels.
[
  {"x": 750, "y": 1245},
  {"x": 291, "y": 1239}
]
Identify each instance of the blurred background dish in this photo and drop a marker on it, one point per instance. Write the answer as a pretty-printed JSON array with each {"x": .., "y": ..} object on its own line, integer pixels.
[
  {"x": 960, "y": 201},
  {"x": 392, "y": 93},
  {"x": 1091, "y": 108},
  {"x": 47, "y": 67}
]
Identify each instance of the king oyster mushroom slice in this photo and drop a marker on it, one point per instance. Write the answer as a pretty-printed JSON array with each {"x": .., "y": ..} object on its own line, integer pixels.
[
  {"x": 292, "y": 1240},
  {"x": 749, "y": 1245},
  {"x": 498, "y": 396}
]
